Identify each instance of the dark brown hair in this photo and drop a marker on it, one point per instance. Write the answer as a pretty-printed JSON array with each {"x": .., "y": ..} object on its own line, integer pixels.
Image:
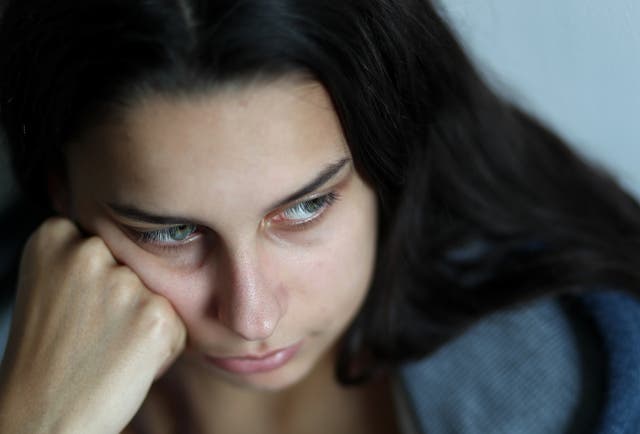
[{"x": 481, "y": 206}]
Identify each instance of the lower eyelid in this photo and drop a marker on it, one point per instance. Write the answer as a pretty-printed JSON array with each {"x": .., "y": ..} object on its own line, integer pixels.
[{"x": 150, "y": 238}]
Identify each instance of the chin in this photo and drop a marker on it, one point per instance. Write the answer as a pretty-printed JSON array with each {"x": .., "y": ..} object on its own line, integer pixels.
[{"x": 310, "y": 360}]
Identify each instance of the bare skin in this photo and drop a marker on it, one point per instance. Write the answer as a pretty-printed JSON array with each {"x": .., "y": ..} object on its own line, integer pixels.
[
  {"x": 228, "y": 259},
  {"x": 85, "y": 330},
  {"x": 315, "y": 405}
]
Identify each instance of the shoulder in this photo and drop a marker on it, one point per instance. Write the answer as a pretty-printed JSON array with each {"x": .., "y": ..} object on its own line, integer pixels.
[
  {"x": 617, "y": 317},
  {"x": 544, "y": 367}
]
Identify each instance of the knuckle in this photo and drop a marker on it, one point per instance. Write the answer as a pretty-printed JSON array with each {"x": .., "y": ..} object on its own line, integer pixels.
[
  {"x": 93, "y": 254},
  {"x": 49, "y": 242},
  {"x": 176, "y": 342},
  {"x": 54, "y": 230},
  {"x": 159, "y": 323},
  {"x": 159, "y": 317},
  {"x": 123, "y": 286},
  {"x": 94, "y": 245},
  {"x": 158, "y": 309},
  {"x": 58, "y": 225}
]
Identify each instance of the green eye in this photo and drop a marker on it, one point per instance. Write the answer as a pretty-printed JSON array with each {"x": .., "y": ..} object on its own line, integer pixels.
[
  {"x": 170, "y": 235},
  {"x": 306, "y": 211},
  {"x": 180, "y": 233}
]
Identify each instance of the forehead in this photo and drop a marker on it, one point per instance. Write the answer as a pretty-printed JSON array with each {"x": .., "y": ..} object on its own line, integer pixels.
[{"x": 271, "y": 136}]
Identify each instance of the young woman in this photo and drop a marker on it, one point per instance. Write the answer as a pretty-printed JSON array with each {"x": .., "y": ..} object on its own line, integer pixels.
[{"x": 261, "y": 202}]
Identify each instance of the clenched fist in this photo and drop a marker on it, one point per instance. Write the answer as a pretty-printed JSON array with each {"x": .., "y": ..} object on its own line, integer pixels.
[{"x": 87, "y": 338}]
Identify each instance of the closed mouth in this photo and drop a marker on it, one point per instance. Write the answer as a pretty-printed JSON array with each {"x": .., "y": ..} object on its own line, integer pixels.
[{"x": 251, "y": 364}]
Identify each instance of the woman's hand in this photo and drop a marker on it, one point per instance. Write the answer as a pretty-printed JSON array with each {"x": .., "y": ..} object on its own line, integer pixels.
[{"x": 87, "y": 339}]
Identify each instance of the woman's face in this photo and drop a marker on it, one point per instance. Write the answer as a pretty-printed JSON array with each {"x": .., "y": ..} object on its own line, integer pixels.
[{"x": 241, "y": 207}]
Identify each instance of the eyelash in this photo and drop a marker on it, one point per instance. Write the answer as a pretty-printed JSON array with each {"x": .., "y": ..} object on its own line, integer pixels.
[
  {"x": 316, "y": 206},
  {"x": 162, "y": 238}
]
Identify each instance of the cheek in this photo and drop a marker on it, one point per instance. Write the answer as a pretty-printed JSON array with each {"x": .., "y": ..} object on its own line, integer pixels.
[
  {"x": 334, "y": 281},
  {"x": 325, "y": 285},
  {"x": 180, "y": 288}
]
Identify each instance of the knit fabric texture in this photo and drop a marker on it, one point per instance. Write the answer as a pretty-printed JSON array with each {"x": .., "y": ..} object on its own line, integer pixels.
[{"x": 531, "y": 370}]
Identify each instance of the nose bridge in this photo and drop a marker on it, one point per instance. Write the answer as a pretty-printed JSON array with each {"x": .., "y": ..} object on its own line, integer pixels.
[{"x": 247, "y": 297}]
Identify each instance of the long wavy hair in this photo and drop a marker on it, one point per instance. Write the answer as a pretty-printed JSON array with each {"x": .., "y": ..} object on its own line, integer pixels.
[{"x": 481, "y": 207}]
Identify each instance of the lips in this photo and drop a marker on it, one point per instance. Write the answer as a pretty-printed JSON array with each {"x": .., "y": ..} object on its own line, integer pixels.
[{"x": 256, "y": 364}]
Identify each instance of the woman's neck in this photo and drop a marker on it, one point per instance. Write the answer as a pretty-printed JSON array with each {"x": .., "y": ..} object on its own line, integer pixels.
[{"x": 187, "y": 400}]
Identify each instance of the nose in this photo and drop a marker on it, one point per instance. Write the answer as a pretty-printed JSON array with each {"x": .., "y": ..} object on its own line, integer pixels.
[{"x": 247, "y": 299}]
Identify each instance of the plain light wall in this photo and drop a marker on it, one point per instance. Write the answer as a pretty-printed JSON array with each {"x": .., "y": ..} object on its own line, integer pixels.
[{"x": 573, "y": 63}]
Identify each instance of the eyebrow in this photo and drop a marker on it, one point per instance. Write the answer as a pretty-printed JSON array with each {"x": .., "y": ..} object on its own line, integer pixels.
[
  {"x": 322, "y": 178},
  {"x": 133, "y": 213}
]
